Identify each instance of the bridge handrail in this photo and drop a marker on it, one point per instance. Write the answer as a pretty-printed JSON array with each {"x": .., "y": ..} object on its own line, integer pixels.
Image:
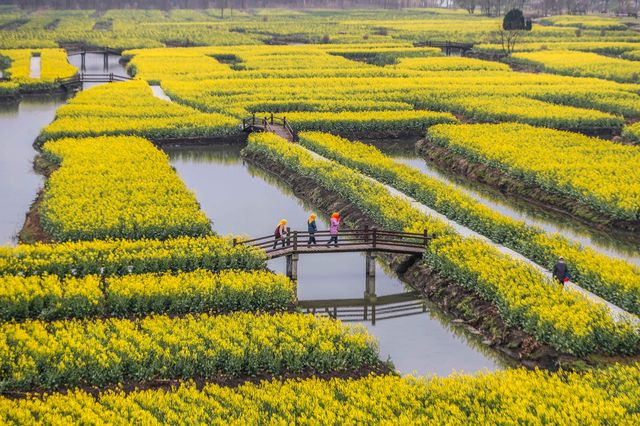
[
  {"x": 94, "y": 78},
  {"x": 348, "y": 238},
  {"x": 108, "y": 50}
]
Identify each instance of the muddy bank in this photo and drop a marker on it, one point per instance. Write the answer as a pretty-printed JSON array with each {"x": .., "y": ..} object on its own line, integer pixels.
[
  {"x": 534, "y": 195},
  {"x": 32, "y": 230},
  {"x": 467, "y": 309}
]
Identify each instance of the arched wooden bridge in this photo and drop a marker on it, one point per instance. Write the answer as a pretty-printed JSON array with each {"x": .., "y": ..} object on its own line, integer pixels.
[{"x": 366, "y": 240}]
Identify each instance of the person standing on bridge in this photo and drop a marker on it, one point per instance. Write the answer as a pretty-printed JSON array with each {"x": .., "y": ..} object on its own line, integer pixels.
[
  {"x": 279, "y": 234},
  {"x": 334, "y": 223},
  {"x": 561, "y": 271},
  {"x": 312, "y": 228}
]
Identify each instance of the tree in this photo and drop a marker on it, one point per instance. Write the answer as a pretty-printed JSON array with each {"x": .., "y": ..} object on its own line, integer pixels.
[{"x": 513, "y": 25}]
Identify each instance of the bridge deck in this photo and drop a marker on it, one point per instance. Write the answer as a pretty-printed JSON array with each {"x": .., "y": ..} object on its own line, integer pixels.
[{"x": 346, "y": 248}]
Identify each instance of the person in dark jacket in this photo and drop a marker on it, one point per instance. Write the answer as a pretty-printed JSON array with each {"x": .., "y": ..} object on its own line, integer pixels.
[
  {"x": 560, "y": 271},
  {"x": 312, "y": 228}
]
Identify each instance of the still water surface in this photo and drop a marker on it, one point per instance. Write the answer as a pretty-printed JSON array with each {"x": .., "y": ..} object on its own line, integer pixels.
[
  {"x": 242, "y": 199},
  {"x": 20, "y": 124}
]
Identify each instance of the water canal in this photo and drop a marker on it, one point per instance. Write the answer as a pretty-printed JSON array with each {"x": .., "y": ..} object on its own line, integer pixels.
[{"x": 242, "y": 199}]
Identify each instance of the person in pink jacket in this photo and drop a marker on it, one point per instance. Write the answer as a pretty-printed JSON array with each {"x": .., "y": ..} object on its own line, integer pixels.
[{"x": 334, "y": 223}]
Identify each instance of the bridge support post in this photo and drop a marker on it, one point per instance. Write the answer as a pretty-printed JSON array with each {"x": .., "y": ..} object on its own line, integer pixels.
[
  {"x": 292, "y": 266},
  {"x": 83, "y": 66},
  {"x": 370, "y": 296}
]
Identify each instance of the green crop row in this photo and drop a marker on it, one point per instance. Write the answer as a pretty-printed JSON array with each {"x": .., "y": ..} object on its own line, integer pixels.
[
  {"x": 514, "y": 396},
  {"x": 70, "y": 353},
  {"x": 118, "y": 257},
  {"x": 50, "y": 297}
]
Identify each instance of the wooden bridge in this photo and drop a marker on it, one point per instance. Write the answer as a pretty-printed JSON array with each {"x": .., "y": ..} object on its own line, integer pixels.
[
  {"x": 105, "y": 51},
  {"x": 76, "y": 82},
  {"x": 367, "y": 240},
  {"x": 446, "y": 46},
  {"x": 278, "y": 125}
]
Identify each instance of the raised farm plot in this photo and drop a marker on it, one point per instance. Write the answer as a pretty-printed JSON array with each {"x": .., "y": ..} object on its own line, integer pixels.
[
  {"x": 582, "y": 64},
  {"x": 51, "y": 355},
  {"x": 120, "y": 256},
  {"x": 599, "y": 174},
  {"x": 50, "y": 297},
  {"x": 53, "y": 67},
  {"x": 130, "y": 109},
  {"x": 300, "y": 84},
  {"x": 515, "y": 396},
  {"x": 116, "y": 187}
]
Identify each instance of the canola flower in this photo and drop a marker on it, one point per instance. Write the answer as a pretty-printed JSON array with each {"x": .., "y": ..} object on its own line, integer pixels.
[
  {"x": 35, "y": 354},
  {"x": 632, "y": 132},
  {"x": 612, "y": 279},
  {"x": 369, "y": 122},
  {"x": 53, "y": 67},
  {"x": 582, "y": 64},
  {"x": 530, "y": 111},
  {"x": 449, "y": 63},
  {"x": 595, "y": 172},
  {"x": 130, "y": 109},
  {"x": 116, "y": 187},
  {"x": 49, "y": 297},
  {"x": 120, "y": 256},
  {"x": 524, "y": 297},
  {"x": 514, "y": 396}
]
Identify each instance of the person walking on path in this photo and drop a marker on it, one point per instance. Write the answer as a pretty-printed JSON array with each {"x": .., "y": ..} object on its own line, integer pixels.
[
  {"x": 334, "y": 223},
  {"x": 560, "y": 271},
  {"x": 312, "y": 228},
  {"x": 281, "y": 231}
]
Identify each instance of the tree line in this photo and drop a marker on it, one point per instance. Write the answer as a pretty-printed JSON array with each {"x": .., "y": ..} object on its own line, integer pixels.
[{"x": 485, "y": 7}]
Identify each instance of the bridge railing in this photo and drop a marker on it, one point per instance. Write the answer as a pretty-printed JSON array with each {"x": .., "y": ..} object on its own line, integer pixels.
[
  {"x": 368, "y": 237},
  {"x": 94, "y": 78}
]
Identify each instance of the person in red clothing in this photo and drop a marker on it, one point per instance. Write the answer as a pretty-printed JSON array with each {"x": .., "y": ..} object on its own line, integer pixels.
[{"x": 334, "y": 224}]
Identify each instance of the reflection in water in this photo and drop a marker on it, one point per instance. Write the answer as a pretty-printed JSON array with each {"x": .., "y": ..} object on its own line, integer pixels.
[
  {"x": 242, "y": 199},
  {"x": 94, "y": 64},
  {"x": 371, "y": 308},
  {"x": 19, "y": 183},
  {"x": 517, "y": 209}
]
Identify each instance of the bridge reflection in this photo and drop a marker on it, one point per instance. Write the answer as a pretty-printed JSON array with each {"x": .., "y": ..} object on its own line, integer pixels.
[{"x": 370, "y": 308}]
